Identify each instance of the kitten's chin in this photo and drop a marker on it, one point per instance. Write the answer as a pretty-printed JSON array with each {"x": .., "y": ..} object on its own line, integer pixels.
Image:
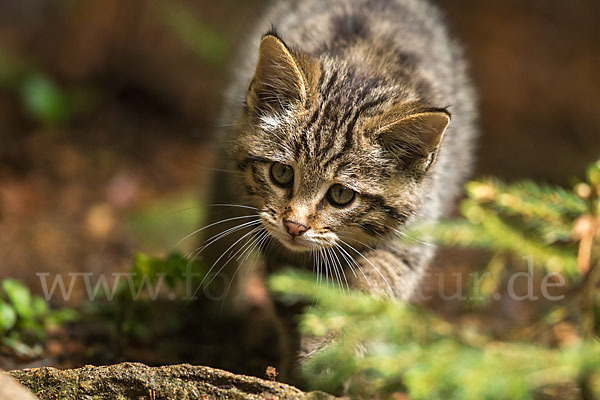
[{"x": 295, "y": 245}]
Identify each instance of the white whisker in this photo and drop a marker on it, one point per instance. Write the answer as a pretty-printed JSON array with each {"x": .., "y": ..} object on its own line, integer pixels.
[
  {"x": 335, "y": 269},
  {"x": 341, "y": 269},
  {"x": 412, "y": 238},
  {"x": 256, "y": 231},
  {"x": 316, "y": 262},
  {"x": 178, "y": 212},
  {"x": 373, "y": 265},
  {"x": 222, "y": 255},
  {"x": 221, "y": 235},
  {"x": 233, "y": 205},
  {"x": 326, "y": 265},
  {"x": 192, "y": 256},
  {"x": 254, "y": 240},
  {"x": 356, "y": 263},
  {"x": 258, "y": 237},
  {"x": 348, "y": 261},
  {"x": 213, "y": 224}
]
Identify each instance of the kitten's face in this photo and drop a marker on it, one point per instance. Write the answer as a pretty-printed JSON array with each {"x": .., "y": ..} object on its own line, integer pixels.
[
  {"x": 319, "y": 207},
  {"x": 325, "y": 154},
  {"x": 316, "y": 196}
]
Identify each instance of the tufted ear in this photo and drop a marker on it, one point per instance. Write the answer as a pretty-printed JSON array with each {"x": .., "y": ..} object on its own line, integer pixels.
[
  {"x": 415, "y": 139},
  {"x": 281, "y": 78}
]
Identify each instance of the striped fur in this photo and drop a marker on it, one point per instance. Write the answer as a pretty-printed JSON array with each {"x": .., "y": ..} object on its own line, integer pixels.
[{"x": 356, "y": 92}]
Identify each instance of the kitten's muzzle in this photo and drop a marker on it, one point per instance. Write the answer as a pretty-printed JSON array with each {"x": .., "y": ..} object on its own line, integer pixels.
[{"x": 294, "y": 228}]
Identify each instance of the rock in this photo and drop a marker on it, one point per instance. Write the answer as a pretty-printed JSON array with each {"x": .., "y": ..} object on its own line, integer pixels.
[
  {"x": 138, "y": 381},
  {"x": 11, "y": 390}
]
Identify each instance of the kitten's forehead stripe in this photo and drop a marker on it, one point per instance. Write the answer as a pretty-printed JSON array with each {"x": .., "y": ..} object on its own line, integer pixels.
[{"x": 349, "y": 136}]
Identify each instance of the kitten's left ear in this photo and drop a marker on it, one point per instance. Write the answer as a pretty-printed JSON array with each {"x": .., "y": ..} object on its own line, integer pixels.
[
  {"x": 281, "y": 78},
  {"x": 415, "y": 139}
]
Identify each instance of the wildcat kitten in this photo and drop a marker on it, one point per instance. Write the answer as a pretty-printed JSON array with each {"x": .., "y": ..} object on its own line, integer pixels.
[{"x": 347, "y": 122}]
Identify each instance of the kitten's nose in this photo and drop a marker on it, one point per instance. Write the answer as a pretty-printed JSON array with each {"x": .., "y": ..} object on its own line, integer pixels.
[{"x": 294, "y": 228}]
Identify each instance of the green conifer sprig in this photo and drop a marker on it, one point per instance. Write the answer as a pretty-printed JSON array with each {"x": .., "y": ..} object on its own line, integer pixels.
[{"x": 382, "y": 348}]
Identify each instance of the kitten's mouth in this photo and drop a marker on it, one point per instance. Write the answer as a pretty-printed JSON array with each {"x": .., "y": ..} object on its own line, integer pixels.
[{"x": 298, "y": 244}]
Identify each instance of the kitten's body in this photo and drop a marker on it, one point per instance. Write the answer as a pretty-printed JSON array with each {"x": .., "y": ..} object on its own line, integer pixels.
[{"x": 350, "y": 69}]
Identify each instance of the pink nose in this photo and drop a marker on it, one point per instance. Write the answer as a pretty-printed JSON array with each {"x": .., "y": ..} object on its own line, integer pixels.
[{"x": 294, "y": 228}]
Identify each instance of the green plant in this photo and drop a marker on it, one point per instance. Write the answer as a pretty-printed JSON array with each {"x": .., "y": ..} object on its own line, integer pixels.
[
  {"x": 383, "y": 348},
  {"x": 42, "y": 97},
  {"x": 552, "y": 229},
  {"x": 45, "y": 100},
  {"x": 129, "y": 308},
  {"x": 25, "y": 319}
]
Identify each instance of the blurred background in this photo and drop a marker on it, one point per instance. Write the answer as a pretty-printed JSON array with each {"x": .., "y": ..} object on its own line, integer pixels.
[{"x": 107, "y": 107}]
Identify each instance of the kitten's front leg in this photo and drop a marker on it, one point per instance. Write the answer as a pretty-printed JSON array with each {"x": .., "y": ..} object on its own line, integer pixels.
[
  {"x": 286, "y": 322},
  {"x": 286, "y": 317}
]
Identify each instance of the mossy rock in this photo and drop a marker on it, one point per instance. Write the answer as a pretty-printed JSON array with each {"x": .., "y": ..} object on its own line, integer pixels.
[{"x": 138, "y": 381}]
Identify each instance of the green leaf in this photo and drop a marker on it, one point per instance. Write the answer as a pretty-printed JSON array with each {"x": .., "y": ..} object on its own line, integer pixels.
[
  {"x": 8, "y": 317},
  {"x": 32, "y": 328},
  {"x": 39, "y": 306},
  {"x": 13, "y": 342},
  {"x": 62, "y": 315},
  {"x": 19, "y": 296},
  {"x": 593, "y": 174},
  {"x": 45, "y": 100}
]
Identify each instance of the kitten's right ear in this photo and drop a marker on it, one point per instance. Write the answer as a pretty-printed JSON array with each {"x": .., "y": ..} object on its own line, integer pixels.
[{"x": 280, "y": 79}]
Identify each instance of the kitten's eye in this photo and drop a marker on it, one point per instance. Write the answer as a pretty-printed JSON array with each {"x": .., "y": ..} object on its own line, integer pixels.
[
  {"x": 281, "y": 174},
  {"x": 340, "y": 195}
]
